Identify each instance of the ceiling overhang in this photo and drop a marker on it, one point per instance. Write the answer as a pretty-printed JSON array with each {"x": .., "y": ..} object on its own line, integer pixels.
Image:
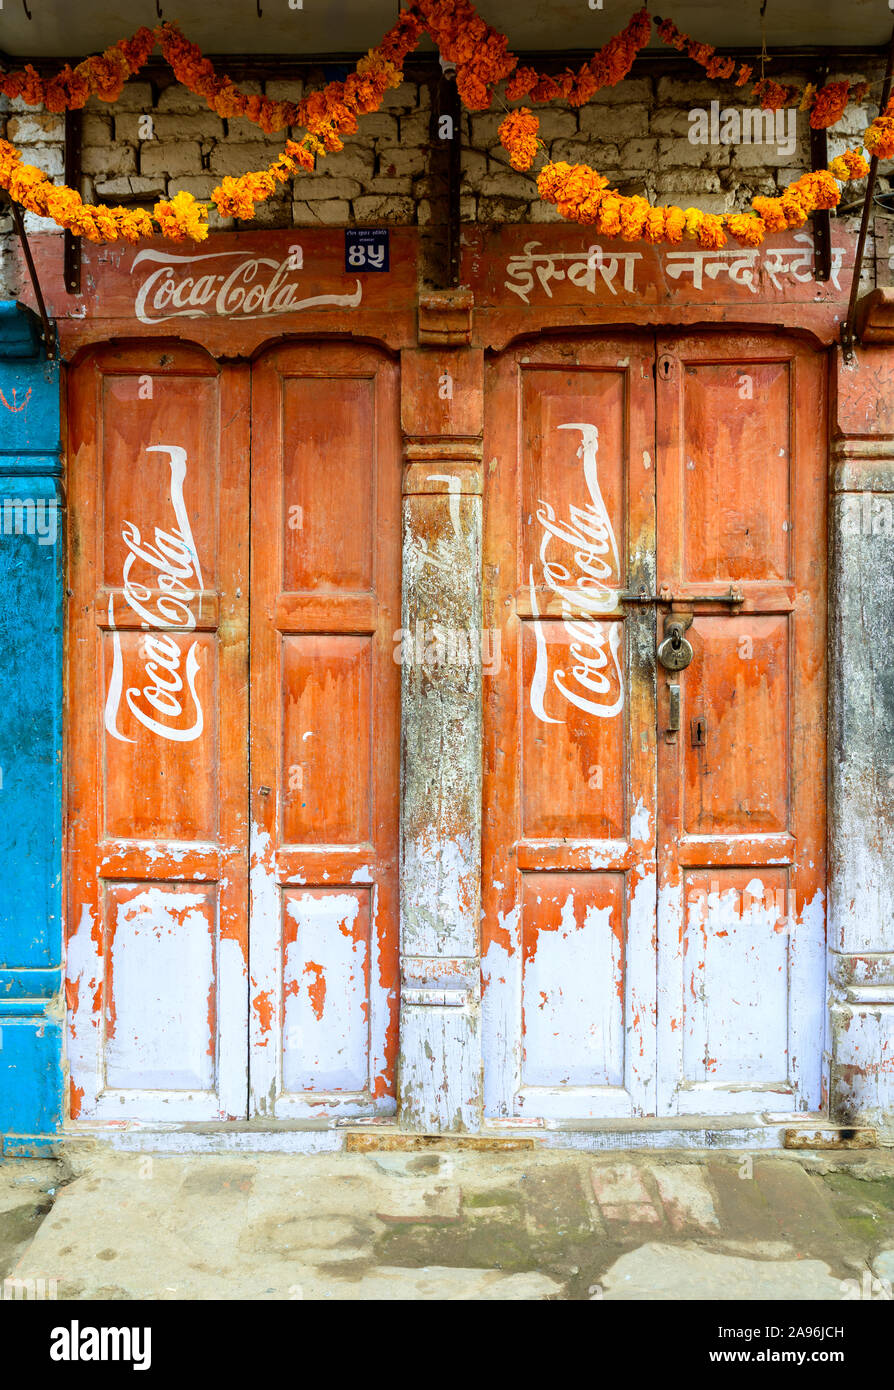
[{"x": 243, "y": 28}]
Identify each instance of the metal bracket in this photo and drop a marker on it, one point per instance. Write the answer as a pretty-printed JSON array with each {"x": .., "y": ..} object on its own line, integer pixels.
[
  {"x": 71, "y": 247},
  {"x": 822, "y": 219},
  {"x": 49, "y": 334}
]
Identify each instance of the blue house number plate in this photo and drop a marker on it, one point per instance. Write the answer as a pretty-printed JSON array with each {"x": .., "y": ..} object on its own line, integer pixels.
[{"x": 366, "y": 249}]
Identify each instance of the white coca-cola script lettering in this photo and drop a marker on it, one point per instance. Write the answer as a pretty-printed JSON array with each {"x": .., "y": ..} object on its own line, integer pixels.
[
  {"x": 178, "y": 576},
  {"x": 255, "y": 288},
  {"x": 596, "y": 683}
]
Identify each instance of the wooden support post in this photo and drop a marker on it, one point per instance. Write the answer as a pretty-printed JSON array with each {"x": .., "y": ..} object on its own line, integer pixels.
[{"x": 439, "y": 1067}]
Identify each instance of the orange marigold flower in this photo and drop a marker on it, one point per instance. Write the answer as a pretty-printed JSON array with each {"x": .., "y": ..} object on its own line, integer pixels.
[
  {"x": 879, "y": 137},
  {"x": 744, "y": 75},
  {"x": 747, "y": 229},
  {"x": 830, "y": 104},
  {"x": 770, "y": 212},
  {"x": 518, "y": 135},
  {"x": 521, "y": 83},
  {"x": 653, "y": 230},
  {"x": 694, "y": 219},
  {"x": 610, "y": 215},
  {"x": 675, "y": 225},
  {"x": 772, "y": 95},
  {"x": 711, "y": 235},
  {"x": 182, "y": 218},
  {"x": 633, "y": 217},
  {"x": 848, "y": 166}
]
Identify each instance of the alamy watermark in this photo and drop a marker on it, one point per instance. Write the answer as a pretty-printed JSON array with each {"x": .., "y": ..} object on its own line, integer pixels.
[
  {"x": 436, "y": 645},
  {"x": 867, "y": 514},
  {"x": 30, "y": 516},
  {"x": 750, "y": 126}
]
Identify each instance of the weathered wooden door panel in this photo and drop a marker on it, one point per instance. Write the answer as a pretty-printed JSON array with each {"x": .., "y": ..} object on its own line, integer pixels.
[
  {"x": 741, "y": 503},
  {"x": 581, "y": 762},
  {"x": 157, "y": 714},
  {"x": 568, "y": 886},
  {"x": 324, "y": 730}
]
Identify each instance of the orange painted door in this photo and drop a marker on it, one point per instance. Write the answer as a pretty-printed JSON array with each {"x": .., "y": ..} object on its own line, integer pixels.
[
  {"x": 653, "y": 913},
  {"x": 568, "y": 845},
  {"x": 741, "y": 504},
  {"x": 325, "y": 691},
  {"x": 156, "y": 703},
  {"x": 235, "y": 590}
]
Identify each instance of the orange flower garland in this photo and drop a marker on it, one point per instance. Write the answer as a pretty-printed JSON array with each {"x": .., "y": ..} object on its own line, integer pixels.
[
  {"x": 102, "y": 76},
  {"x": 606, "y": 68},
  {"x": 580, "y": 194},
  {"x": 481, "y": 54},
  {"x": 826, "y": 106},
  {"x": 326, "y": 115},
  {"x": 482, "y": 60},
  {"x": 702, "y": 53}
]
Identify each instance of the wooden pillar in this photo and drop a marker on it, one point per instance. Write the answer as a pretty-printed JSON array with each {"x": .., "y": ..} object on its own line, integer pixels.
[
  {"x": 439, "y": 1067},
  {"x": 861, "y": 744}
]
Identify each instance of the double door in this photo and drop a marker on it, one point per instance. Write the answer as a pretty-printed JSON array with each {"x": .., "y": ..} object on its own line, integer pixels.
[
  {"x": 653, "y": 820},
  {"x": 232, "y": 734},
  {"x": 653, "y": 848}
]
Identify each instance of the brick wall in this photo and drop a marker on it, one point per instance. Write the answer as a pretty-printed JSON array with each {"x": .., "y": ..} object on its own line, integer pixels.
[{"x": 636, "y": 134}]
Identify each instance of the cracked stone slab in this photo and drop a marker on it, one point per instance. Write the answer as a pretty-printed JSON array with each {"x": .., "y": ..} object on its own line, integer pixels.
[
  {"x": 677, "y": 1272},
  {"x": 686, "y": 1196}
]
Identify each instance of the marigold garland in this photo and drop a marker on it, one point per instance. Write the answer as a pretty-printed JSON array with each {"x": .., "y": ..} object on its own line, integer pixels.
[
  {"x": 581, "y": 194},
  {"x": 482, "y": 59},
  {"x": 826, "y": 106},
  {"x": 609, "y": 66}
]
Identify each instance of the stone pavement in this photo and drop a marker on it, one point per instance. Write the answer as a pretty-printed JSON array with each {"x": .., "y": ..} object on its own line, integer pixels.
[{"x": 450, "y": 1223}]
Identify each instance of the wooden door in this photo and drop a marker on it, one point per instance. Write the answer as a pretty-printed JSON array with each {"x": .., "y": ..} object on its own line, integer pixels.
[
  {"x": 156, "y": 727},
  {"x": 611, "y": 989},
  {"x": 741, "y": 503},
  {"x": 325, "y": 690},
  {"x": 568, "y": 852}
]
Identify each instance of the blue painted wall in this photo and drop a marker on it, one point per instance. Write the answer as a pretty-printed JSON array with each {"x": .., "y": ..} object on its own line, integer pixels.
[{"x": 31, "y": 575}]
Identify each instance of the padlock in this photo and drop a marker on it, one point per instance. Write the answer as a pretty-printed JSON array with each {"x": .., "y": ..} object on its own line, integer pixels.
[{"x": 674, "y": 652}]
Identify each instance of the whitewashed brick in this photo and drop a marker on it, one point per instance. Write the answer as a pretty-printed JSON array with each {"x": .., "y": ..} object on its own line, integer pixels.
[
  {"x": 508, "y": 185},
  {"x": 395, "y": 160},
  {"x": 201, "y": 186},
  {"x": 173, "y": 157},
  {"x": 503, "y": 209},
  {"x": 37, "y": 128},
  {"x": 331, "y": 213},
  {"x": 376, "y": 208},
  {"x": 353, "y": 162},
  {"x": 96, "y": 130},
  {"x": 556, "y": 125},
  {"x": 677, "y": 154},
  {"x": 318, "y": 188},
  {"x": 48, "y": 158},
  {"x": 614, "y": 124},
  {"x": 111, "y": 160}
]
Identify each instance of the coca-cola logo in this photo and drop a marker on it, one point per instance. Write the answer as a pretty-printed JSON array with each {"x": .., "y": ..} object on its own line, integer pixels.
[{"x": 246, "y": 287}]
